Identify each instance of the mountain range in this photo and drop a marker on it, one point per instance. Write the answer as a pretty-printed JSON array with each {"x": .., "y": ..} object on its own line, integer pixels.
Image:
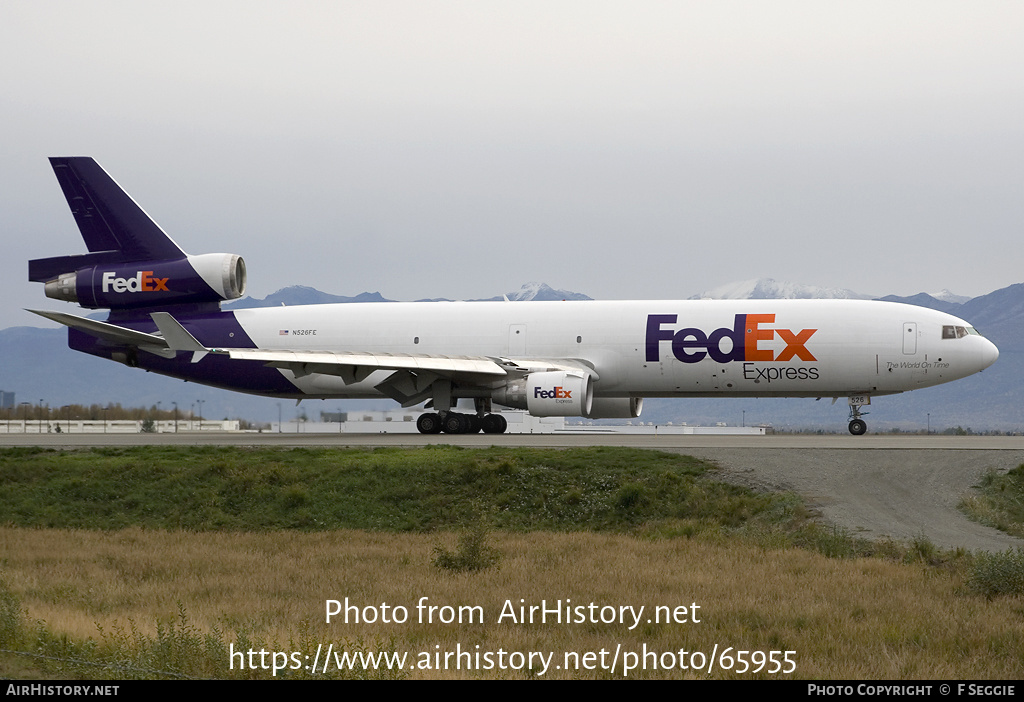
[
  {"x": 771, "y": 289},
  {"x": 303, "y": 295},
  {"x": 37, "y": 365}
]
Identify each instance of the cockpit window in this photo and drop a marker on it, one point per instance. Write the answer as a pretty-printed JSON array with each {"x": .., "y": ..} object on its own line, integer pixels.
[{"x": 950, "y": 331}]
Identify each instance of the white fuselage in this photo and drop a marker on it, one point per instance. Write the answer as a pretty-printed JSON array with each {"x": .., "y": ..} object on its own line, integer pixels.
[{"x": 791, "y": 348}]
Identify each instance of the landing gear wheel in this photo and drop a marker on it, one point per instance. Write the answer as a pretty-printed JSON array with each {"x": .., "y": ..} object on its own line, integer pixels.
[
  {"x": 429, "y": 423},
  {"x": 454, "y": 423},
  {"x": 494, "y": 424},
  {"x": 857, "y": 425}
]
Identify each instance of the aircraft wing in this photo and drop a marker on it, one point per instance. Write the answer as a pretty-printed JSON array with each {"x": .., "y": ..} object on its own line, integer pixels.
[
  {"x": 351, "y": 366},
  {"x": 305, "y": 362},
  {"x": 413, "y": 373}
]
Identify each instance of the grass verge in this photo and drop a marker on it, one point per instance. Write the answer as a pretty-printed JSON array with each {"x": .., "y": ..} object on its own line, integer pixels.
[
  {"x": 226, "y": 488},
  {"x": 1000, "y": 503}
]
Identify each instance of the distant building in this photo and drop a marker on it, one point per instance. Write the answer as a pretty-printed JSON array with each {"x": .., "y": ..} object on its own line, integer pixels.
[{"x": 6, "y": 400}]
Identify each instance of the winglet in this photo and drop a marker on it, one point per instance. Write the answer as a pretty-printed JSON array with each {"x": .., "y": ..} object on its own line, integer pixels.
[{"x": 178, "y": 338}]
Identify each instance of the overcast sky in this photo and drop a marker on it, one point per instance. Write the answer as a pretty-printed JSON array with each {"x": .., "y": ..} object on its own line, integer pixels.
[{"x": 460, "y": 149}]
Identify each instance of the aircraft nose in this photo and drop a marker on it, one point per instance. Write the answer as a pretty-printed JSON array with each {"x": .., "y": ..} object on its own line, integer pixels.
[{"x": 989, "y": 354}]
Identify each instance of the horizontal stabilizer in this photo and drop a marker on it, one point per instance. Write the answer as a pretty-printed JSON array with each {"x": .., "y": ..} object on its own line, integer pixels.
[{"x": 106, "y": 331}]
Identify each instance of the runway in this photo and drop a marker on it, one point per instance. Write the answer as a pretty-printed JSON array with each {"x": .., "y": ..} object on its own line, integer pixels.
[
  {"x": 879, "y": 486},
  {"x": 554, "y": 440}
]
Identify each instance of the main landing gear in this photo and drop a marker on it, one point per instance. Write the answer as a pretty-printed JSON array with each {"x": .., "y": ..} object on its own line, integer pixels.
[
  {"x": 450, "y": 422},
  {"x": 457, "y": 423}
]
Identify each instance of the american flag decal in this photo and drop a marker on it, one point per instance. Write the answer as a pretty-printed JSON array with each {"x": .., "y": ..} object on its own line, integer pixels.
[{"x": 283, "y": 332}]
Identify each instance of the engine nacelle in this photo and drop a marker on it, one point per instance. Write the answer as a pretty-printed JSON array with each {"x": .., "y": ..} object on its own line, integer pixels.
[
  {"x": 204, "y": 278},
  {"x": 615, "y": 408},
  {"x": 548, "y": 394}
]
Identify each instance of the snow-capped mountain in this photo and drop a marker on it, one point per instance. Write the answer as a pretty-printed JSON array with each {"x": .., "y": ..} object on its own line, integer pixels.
[
  {"x": 771, "y": 289},
  {"x": 304, "y": 295},
  {"x": 946, "y": 296},
  {"x": 543, "y": 291}
]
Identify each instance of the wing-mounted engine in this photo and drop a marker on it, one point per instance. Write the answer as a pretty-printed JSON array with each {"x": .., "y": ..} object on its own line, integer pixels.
[
  {"x": 548, "y": 393},
  {"x": 615, "y": 408},
  {"x": 191, "y": 279}
]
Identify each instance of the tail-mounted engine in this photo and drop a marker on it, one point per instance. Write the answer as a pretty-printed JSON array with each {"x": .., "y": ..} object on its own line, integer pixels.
[{"x": 192, "y": 279}]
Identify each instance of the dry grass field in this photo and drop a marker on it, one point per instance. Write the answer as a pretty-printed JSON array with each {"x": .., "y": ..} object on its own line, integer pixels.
[
  {"x": 216, "y": 562},
  {"x": 854, "y": 618}
]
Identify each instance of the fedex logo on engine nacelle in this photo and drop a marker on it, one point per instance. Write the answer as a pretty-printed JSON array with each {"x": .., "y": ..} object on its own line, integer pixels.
[
  {"x": 558, "y": 393},
  {"x": 692, "y": 345},
  {"x": 142, "y": 282}
]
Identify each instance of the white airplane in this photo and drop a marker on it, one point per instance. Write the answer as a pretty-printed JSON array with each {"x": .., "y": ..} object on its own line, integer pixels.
[{"x": 591, "y": 359}]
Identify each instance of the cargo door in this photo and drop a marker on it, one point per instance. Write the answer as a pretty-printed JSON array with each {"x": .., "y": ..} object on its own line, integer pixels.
[
  {"x": 910, "y": 338},
  {"x": 517, "y": 340}
]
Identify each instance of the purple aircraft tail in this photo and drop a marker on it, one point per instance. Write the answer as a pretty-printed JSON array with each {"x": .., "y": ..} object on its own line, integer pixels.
[{"x": 132, "y": 263}]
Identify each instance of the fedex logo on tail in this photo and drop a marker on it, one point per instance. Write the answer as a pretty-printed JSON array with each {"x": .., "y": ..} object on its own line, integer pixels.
[
  {"x": 692, "y": 345},
  {"x": 144, "y": 281}
]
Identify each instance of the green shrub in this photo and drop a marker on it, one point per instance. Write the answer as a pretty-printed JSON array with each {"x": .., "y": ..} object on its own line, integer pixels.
[
  {"x": 998, "y": 573},
  {"x": 473, "y": 554},
  {"x": 11, "y": 616}
]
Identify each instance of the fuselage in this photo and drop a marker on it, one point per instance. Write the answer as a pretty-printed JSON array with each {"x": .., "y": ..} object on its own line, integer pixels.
[{"x": 696, "y": 348}]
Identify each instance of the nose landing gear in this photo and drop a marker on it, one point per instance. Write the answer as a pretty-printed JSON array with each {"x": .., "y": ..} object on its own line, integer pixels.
[{"x": 857, "y": 425}]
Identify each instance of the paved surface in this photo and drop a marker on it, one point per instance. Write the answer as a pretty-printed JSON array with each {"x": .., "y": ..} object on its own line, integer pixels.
[
  {"x": 898, "y": 493},
  {"x": 664, "y": 442},
  {"x": 896, "y": 486}
]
